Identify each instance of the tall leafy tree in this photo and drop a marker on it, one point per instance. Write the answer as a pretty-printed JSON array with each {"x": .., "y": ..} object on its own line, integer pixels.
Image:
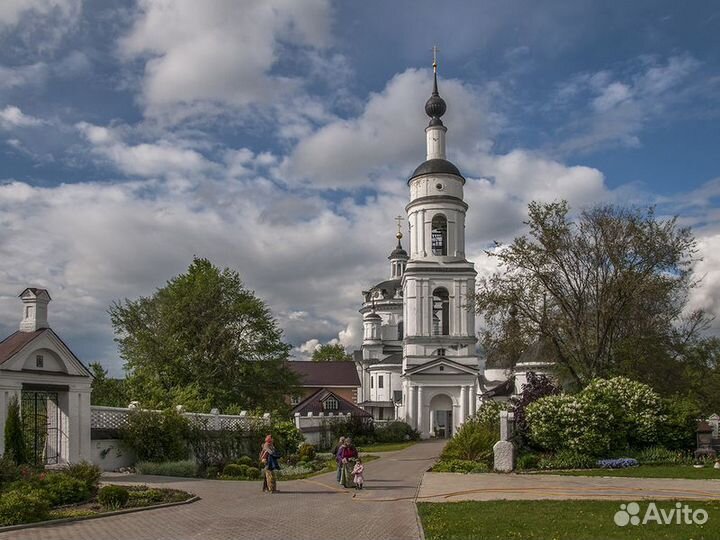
[
  {"x": 330, "y": 353},
  {"x": 107, "y": 391},
  {"x": 203, "y": 341},
  {"x": 603, "y": 290}
]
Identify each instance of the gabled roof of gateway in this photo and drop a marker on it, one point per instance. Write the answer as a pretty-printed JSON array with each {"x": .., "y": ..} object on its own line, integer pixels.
[{"x": 12, "y": 344}]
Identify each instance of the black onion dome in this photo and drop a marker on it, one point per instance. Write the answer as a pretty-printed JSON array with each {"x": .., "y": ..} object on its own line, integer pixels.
[
  {"x": 398, "y": 252},
  {"x": 435, "y": 107},
  {"x": 436, "y": 166}
]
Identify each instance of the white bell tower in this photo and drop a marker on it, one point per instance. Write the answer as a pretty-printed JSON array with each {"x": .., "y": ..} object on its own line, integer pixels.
[{"x": 440, "y": 365}]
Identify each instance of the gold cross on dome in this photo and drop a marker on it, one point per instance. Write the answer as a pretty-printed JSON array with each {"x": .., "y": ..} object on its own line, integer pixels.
[{"x": 399, "y": 220}]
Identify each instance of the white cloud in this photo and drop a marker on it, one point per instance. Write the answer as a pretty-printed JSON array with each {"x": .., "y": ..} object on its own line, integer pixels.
[
  {"x": 388, "y": 136},
  {"x": 145, "y": 159},
  {"x": 12, "y": 10},
  {"x": 613, "y": 108},
  {"x": 220, "y": 50},
  {"x": 12, "y": 117}
]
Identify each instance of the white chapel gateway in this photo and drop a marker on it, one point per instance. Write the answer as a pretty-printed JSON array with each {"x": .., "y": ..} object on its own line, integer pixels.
[{"x": 418, "y": 361}]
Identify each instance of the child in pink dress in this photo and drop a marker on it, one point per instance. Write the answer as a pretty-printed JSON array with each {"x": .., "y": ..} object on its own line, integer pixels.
[{"x": 357, "y": 473}]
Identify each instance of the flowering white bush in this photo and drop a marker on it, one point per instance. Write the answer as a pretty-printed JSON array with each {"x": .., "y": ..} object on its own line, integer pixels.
[
  {"x": 606, "y": 415},
  {"x": 489, "y": 412},
  {"x": 294, "y": 470}
]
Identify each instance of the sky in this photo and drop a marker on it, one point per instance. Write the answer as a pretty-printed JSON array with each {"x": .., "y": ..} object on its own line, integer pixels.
[{"x": 275, "y": 137}]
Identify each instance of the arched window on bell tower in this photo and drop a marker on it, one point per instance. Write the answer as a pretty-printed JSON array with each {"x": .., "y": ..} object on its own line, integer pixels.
[
  {"x": 441, "y": 312},
  {"x": 439, "y": 235}
]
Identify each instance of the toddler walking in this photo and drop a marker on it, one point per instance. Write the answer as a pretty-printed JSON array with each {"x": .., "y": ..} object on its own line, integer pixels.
[{"x": 357, "y": 473}]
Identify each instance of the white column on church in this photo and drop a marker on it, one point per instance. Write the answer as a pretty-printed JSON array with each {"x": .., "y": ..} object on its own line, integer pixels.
[
  {"x": 412, "y": 417},
  {"x": 473, "y": 400},
  {"x": 420, "y": 407},
  {"x": 463, "y": 403}
]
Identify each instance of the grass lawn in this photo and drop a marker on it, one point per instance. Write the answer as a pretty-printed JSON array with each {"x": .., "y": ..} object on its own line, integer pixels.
[
  {"x": 386, "y": 447},
  {"x": 649, "y": 471},
  {"x": 556, "y": 520}
]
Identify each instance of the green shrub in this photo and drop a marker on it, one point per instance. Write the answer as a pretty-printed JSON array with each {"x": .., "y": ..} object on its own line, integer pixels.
[
  {"x": 306, "y": 452},
  {"x": 253, "y": 473},
  {"x": 528, "y": 461},
  {"x": 566, "y": 459},
  {"x": 23, "y": 505},
  {"x": 287, "y": 437},
  {"x": 460, "y": 466},
  {"x": 659, "y": 455},
  {"x": 473, "y": 442},
  {"x": 15, "y": 444},
  {"x": 218, "y": 448},
  {"x": 488, "y": 413},
  {"x": 248, "y": 461},
  {"x": 680, "y": 422},
  {"x": 113, "y": 497},
  {"x": 395, "y": 432},
  {"x": 235, "y": 470},
  {"x": 157, "y": 437},
  {"x": 606, "y": 416},
  {"x": 63, "y": 489},
  {"x": 87, "y": 472},
  {"x": 212, "y": 471},
  {"x": 9, "y": 471},
  {"x": 185, "y": 469},
  {"x": 145, "y": 496}
]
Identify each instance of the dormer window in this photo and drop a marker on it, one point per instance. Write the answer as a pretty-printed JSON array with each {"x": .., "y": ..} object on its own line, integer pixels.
[
  {"x": 331, "y": 404},
  {"x": 39, "y": 361},
  {"x": 294, "y": 400}
]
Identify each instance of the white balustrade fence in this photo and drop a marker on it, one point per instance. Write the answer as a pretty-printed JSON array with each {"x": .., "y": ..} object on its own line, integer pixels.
[{"x": 108, "y": 418}]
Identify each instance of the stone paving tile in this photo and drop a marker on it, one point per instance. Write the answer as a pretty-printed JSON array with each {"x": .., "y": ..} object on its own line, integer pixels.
[
  {"x": 312, "y": 509},
  {"x": 448, "y": 487}
]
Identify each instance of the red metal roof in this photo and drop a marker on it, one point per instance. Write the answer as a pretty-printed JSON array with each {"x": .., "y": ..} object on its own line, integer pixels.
[
  {"x": 14, "y": 342},
  {"x": 326, "y": 374}
]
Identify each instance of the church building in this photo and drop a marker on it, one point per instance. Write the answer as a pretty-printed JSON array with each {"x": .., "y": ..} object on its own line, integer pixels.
[{"x": 418, "y": 361}]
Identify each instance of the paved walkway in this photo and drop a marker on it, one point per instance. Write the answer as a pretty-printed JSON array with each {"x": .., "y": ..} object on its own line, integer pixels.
[
  {"x": 312, "y": 509},
  {"x": 448, "y": 487}
]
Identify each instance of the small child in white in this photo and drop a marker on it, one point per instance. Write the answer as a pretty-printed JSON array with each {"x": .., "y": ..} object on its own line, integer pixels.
[{"x": 357, "y": 473}]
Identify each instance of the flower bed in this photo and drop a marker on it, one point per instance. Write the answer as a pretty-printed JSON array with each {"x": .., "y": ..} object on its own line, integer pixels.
[{"x": 30, "y": 495}]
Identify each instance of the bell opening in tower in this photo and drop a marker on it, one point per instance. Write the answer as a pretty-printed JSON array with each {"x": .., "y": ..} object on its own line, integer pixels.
[
  {"x": 441, "y": 312},
  {"x": 439, "y": 235}
]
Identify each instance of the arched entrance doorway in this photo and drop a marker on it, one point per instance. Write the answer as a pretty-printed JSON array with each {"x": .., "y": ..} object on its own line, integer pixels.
[{"x": 441, "y": 407}]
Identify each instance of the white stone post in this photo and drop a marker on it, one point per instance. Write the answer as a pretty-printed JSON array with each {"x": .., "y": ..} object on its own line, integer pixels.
[
  {"x": 420, "y": 417},
  {"x": 504, "y": 450},
  {"x": 463, "y": 404}
]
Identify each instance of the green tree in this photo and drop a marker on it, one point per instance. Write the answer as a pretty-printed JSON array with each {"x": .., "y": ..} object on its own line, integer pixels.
[
  {"x": 105, "y": 390},
  {"x": 203, "y": 341},
  {"x": 15, "y": 444},
  {"x": 330, "y": 353},
  {"x": 606, "y": 291}
]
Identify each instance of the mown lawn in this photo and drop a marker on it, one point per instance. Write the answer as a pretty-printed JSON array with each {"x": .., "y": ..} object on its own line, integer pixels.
[
  {"x": 648, "y": 471},
  {"x": 556, "y": 520},
  {"x": 386, "y": 447}
]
